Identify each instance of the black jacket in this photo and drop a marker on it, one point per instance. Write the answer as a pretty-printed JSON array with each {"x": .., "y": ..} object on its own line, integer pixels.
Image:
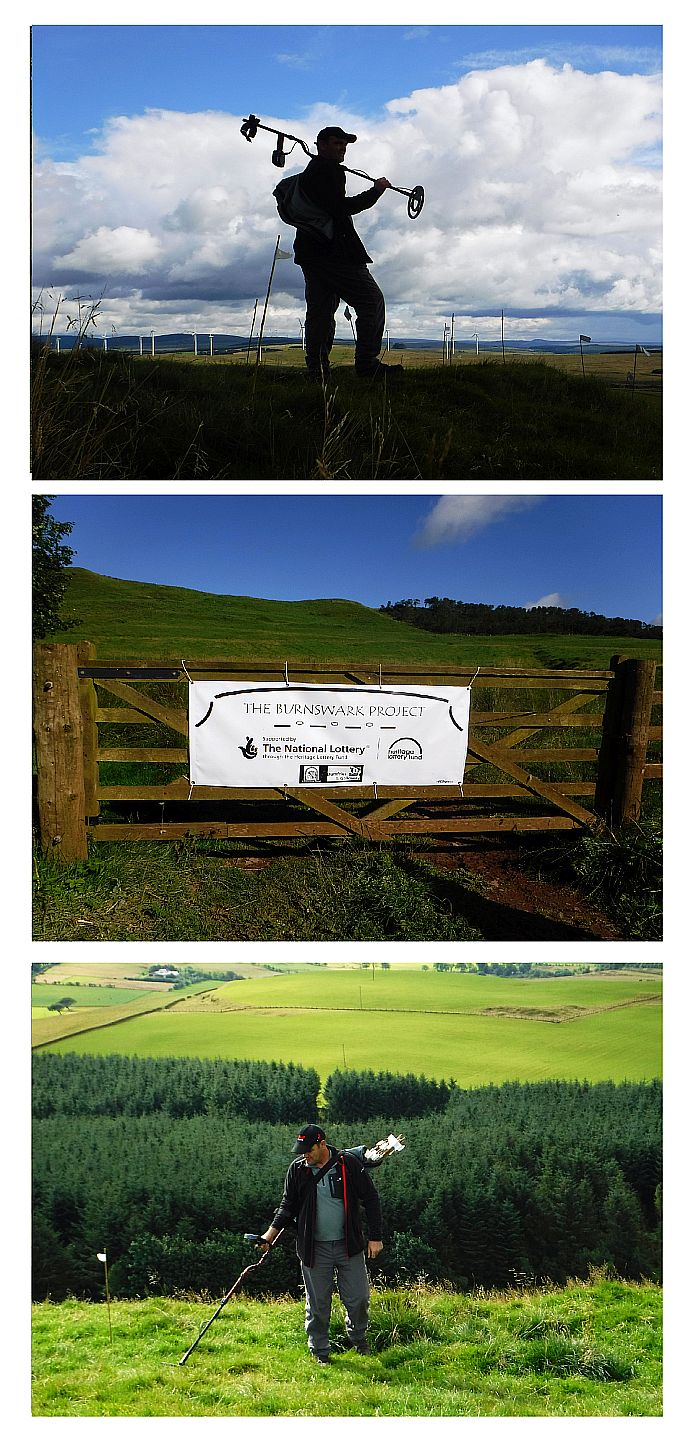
[
  {"x": 324, "y": 182},
  {"x": 298, "y": 1206}
]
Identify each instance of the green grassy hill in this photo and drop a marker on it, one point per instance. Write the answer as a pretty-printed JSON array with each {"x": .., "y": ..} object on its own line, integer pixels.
[
  {"x": 144, "y": 620},
  {"x": 587, "y": 1350}
]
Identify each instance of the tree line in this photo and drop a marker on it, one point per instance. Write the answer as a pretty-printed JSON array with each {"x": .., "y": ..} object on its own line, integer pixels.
[
  {"x": 445, "y": 614},
  {"x": 504, "y": 1184}
]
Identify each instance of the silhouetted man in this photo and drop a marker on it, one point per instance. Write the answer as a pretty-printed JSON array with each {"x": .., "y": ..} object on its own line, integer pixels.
[{"x": 336, "y": 268}]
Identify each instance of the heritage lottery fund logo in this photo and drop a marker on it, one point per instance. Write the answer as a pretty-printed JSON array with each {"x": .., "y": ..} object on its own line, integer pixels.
[{"x": 312, "y": 735}]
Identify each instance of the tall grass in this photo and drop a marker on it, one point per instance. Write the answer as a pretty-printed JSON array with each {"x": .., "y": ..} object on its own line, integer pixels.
[{"x": 106, "y": 416}]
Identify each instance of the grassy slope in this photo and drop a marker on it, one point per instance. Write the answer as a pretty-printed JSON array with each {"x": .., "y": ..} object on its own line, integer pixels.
[
  {"x": 142, "y": 620},
  {"x": 621, "y": 1042},
  {"x": 586, "y": 1350}
]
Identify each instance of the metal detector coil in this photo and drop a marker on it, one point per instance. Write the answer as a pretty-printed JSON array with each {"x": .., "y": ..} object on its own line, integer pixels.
[
  {"x": 415, "y": 204},
  {"x": 251, "y": 124}
]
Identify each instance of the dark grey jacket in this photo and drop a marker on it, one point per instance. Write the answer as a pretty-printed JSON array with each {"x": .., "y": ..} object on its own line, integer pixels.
[
  {"x": 324, "y": 182},
  {"x": 298, "y": 1206}
]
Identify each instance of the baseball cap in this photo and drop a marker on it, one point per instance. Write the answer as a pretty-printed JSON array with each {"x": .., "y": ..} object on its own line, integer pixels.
[
  {"x": 307, "y": 1138},
  {"x": 334, "y": 132}
]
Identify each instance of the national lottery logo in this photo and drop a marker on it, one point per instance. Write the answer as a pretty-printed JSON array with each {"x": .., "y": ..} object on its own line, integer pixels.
[
  {"x": 248, "y": 751},
  {"x": 405, "y": 750}
]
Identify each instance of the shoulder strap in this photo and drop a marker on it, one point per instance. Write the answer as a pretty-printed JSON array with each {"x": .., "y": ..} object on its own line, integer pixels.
[{"x": 325, "y": 1170}]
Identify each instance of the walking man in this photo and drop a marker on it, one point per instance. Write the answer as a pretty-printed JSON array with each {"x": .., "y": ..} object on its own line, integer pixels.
[
  {"x": 336, "y": 268},
  {"x": 323, "y": 1192}
]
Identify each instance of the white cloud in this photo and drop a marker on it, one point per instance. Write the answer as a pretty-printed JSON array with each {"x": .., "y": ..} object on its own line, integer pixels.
[
  {"x": 541, "y": 194},
  {"x": 552, "y": 599},
  {"x": 125, "y": 249},
  {"x": 457, "y": 518}
]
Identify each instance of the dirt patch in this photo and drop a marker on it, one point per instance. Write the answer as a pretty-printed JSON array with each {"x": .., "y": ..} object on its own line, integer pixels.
[
  {"x": 539, "y": 1015},
  {"x": 518, "y": 905}
]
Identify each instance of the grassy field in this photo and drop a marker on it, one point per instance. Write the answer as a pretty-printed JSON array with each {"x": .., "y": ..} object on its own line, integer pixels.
[
  {"x": 141, "y": 620},
  {"x": 586, "y": 1350},
  {"x": 476, "y": 1030},
  {"x": 82, "y": 995},
  {"x": 99, "y": 416}
]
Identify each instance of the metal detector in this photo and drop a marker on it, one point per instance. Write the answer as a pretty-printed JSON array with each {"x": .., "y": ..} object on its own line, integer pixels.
[
  {"x": 252, "y": 124},
  {"x": 249, "y": 1239}
]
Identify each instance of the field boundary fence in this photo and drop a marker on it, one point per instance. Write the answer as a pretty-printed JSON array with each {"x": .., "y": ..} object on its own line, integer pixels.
[{"x": 549, "y": 750}]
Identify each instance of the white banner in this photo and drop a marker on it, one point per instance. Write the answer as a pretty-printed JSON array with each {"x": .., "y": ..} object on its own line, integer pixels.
[{"x": 273, "y": 735}]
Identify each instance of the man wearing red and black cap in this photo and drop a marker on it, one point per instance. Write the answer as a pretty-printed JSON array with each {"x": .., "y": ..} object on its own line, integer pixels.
[
  {"x": 336, "y": 268},
  {"x": 323, "y": 1192}
]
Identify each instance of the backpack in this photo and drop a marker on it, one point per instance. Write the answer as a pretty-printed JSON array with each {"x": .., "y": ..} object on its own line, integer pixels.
[{"x": 295, "y": 209}]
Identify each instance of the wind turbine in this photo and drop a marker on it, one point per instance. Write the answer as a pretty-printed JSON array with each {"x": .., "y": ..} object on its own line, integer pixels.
[{"x": 476, "y": 338}]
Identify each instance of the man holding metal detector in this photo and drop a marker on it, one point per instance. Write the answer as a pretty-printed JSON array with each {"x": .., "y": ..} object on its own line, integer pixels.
[
  {"x": 336, "y": 267},
  {"x": 323, "y": 1192},
  {"x": 333, "y": 259}
]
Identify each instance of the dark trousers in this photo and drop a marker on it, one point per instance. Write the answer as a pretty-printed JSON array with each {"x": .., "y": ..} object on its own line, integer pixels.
[
  {"x": 354, "y": 1291},
  {"x": 327, "y": 284}
]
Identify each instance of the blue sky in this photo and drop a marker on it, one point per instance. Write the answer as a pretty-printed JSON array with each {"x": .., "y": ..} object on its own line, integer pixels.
[
  {"x": 538, "y": 147},
  {"x": 599, "y": 553},
  {"x": 123, "y": 69}
]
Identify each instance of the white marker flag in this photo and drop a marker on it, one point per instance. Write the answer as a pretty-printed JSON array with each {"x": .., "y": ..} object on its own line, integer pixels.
[{"x": 273, "y": 735}]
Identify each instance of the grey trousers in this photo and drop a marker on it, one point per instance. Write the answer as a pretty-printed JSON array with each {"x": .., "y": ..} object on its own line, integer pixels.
[
  {"x": 327, "y": 283},
  {"x": 354, "y": 1291}
]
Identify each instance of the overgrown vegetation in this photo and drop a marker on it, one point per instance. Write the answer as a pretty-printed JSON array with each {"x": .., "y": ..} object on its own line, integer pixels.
[
  {"x": 99, "y": 416},
  {"x": 622, "y": 871}
]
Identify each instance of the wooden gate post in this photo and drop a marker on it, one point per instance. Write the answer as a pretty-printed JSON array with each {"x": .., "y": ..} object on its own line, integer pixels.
[
  {"x": 86, "y": 653},
  {"x": 59, "y": 758},
  {"x": 622, "y": 755}
]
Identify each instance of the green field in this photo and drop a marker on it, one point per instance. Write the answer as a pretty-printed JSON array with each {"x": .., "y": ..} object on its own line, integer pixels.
[
  {"x": 441, "y": 1025},
  {"x": 591, "y": 1349},
  {"x": 140, "y": 620},
  {"x": 82, "y": 995}
]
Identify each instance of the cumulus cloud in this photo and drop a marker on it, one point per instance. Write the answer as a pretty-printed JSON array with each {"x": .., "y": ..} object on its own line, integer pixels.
[
  {"x": 124, "y": 249},
  {"x": 552, "y": 599},
  {"x": 542, "y": 196},
  {"x": 457, "y": 518}
]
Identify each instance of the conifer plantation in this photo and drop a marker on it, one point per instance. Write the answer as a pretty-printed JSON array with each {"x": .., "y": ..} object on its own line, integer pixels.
[{"x": 167, "y": 1162}]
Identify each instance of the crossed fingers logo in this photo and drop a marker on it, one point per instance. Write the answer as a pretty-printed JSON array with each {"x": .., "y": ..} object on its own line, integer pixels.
[{"x": 249, "y": 750}]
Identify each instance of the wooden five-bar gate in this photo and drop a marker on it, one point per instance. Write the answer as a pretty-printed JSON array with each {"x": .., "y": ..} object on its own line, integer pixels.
[{"x": 94, "y": 718}]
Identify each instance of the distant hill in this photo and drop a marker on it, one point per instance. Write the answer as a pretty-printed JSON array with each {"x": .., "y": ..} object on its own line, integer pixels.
[{"x": 141, "y": 619}]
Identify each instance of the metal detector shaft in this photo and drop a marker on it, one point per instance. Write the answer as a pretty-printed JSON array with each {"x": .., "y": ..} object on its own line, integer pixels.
[
  {"x": 232, "y": 1290},
  {"x": 252, "y": 124}
]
